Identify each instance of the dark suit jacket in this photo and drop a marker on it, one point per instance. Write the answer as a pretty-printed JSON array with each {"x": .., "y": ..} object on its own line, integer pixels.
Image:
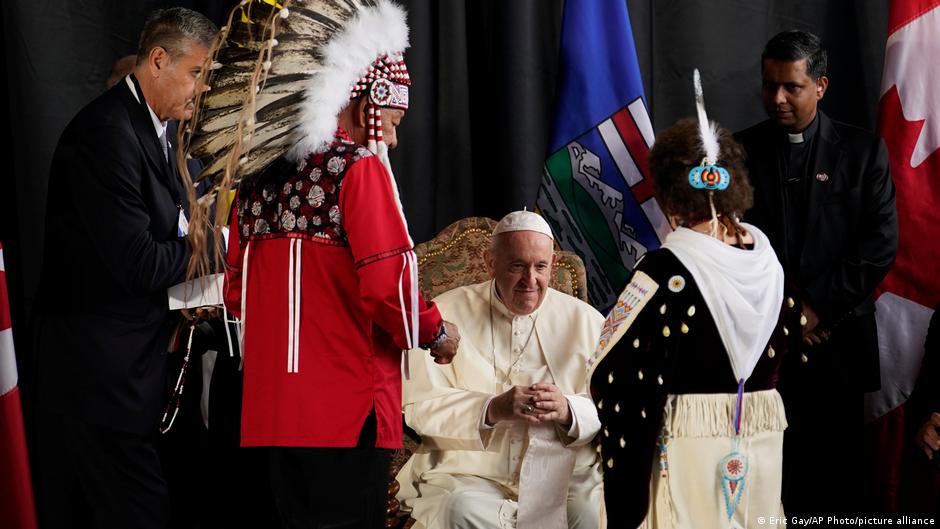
[
  {"x": 111, "y": 251},
  {"x": 851, "y": 230}
]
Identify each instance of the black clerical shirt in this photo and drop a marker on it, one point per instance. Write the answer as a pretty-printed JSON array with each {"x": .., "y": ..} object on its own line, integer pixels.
[{"x": 797, "y": 157}]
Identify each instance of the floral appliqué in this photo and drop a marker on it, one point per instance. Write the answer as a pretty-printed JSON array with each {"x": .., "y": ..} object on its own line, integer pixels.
[{"x": 306, "y": 201}]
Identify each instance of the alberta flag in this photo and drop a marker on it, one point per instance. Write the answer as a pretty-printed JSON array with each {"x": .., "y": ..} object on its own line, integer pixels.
[{"x": 596, "y": 191}]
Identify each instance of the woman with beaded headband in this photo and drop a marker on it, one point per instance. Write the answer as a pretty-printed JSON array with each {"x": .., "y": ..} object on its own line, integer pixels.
[
  {"x": 685, "y": 372},
  {"x": 304, "y": 103}
]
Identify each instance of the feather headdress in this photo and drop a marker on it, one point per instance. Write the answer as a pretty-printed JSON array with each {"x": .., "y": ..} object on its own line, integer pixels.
[{"x": 279, "y": 75}]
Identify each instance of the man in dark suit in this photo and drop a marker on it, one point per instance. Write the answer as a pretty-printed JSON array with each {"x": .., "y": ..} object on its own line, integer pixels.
[
  {"x": 115, "y": 240},
  {"x": 824, "y": 197}
]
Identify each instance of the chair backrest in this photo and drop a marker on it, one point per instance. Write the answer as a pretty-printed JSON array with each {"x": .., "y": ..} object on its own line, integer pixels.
[{"x": 454, "y": 258}]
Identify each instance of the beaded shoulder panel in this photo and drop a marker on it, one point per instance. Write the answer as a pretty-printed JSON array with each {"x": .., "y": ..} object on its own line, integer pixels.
[{"x": 300, "y": 200}]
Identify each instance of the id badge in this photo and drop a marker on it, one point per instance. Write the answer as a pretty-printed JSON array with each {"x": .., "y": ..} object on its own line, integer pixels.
[{"x": 182, "y": 225}]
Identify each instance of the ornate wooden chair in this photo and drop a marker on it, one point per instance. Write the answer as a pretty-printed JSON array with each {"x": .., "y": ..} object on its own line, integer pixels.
[{"x": 452, "y": 259}]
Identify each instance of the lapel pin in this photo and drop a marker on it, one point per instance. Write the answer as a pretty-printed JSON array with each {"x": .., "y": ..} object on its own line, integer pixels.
[{"x": 822, "y": 177}]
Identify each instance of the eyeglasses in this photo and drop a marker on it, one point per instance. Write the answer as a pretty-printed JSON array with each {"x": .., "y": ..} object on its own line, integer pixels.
[{"x": 176, "y": 398}]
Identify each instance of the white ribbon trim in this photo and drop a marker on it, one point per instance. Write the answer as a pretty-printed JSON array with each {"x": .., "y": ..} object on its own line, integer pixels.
[
  {"x": 297, "y": 305},
  {"x": 241, "y": 325},
  {"x": 293, "y": 307}
]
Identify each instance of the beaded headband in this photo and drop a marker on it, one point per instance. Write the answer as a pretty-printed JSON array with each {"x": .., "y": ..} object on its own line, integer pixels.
[{"x": 386, "y": 82}]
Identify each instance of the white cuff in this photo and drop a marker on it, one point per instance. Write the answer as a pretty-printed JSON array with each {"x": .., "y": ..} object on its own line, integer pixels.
[
  {"x": 486, "y": 406},
  {"x": 574, "y": 431}
]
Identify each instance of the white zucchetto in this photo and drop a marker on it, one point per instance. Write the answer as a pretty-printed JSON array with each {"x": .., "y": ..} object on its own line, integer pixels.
[{"x": 523, "y": 221}]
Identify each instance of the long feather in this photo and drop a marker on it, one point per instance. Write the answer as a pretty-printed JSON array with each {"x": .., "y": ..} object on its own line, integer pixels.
[{"x": 707, "y": 130}]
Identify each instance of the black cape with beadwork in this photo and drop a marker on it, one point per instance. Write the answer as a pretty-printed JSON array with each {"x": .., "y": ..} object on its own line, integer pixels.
[{"x": 691, "y": 359}]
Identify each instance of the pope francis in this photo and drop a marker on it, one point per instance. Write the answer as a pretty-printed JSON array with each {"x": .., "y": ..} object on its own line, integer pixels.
[{"x": 506, "y": 428}]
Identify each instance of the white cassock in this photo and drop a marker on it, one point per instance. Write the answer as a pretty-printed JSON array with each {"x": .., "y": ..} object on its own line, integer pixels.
[{"x": 513, "y": 475}]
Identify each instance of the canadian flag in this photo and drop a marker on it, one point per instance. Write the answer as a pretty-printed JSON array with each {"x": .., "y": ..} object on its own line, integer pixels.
[
  {"x": 16, "y": 490},
  {"x": 909, "y": 122}
]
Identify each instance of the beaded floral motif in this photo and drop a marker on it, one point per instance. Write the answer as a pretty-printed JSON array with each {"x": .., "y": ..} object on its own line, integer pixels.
[
  {"x": 733, "y": 468},
  {"x": 305, "y": 201},
  {"x": 335, "y": 165},
  {"x": 316, "y": 196}
]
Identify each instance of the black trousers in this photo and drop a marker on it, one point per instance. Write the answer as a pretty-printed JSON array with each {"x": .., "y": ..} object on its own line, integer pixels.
[
  {"x": 214, "y": 482},
  {"x": 823, "y": 446},
  {"x": 93, "y": 476},
  {"x": 332, "y": 488}
]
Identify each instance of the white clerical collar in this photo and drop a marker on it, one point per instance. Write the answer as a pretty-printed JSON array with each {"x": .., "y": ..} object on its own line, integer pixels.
[
  {"x": 504, "y": 310},
  {"x": 807, "y": 133},
  {"x": 158, "y": 126}
]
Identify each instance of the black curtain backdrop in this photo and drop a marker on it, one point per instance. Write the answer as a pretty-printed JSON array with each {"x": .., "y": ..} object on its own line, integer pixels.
[{"x": 484, "y": 76}]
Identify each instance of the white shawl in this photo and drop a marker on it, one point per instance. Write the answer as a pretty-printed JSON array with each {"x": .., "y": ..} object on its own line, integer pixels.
[{"x": 742, "y": 288}]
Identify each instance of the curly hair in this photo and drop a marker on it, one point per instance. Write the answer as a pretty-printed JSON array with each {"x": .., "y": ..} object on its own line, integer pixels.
[{"x": 677, "y": 150}]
